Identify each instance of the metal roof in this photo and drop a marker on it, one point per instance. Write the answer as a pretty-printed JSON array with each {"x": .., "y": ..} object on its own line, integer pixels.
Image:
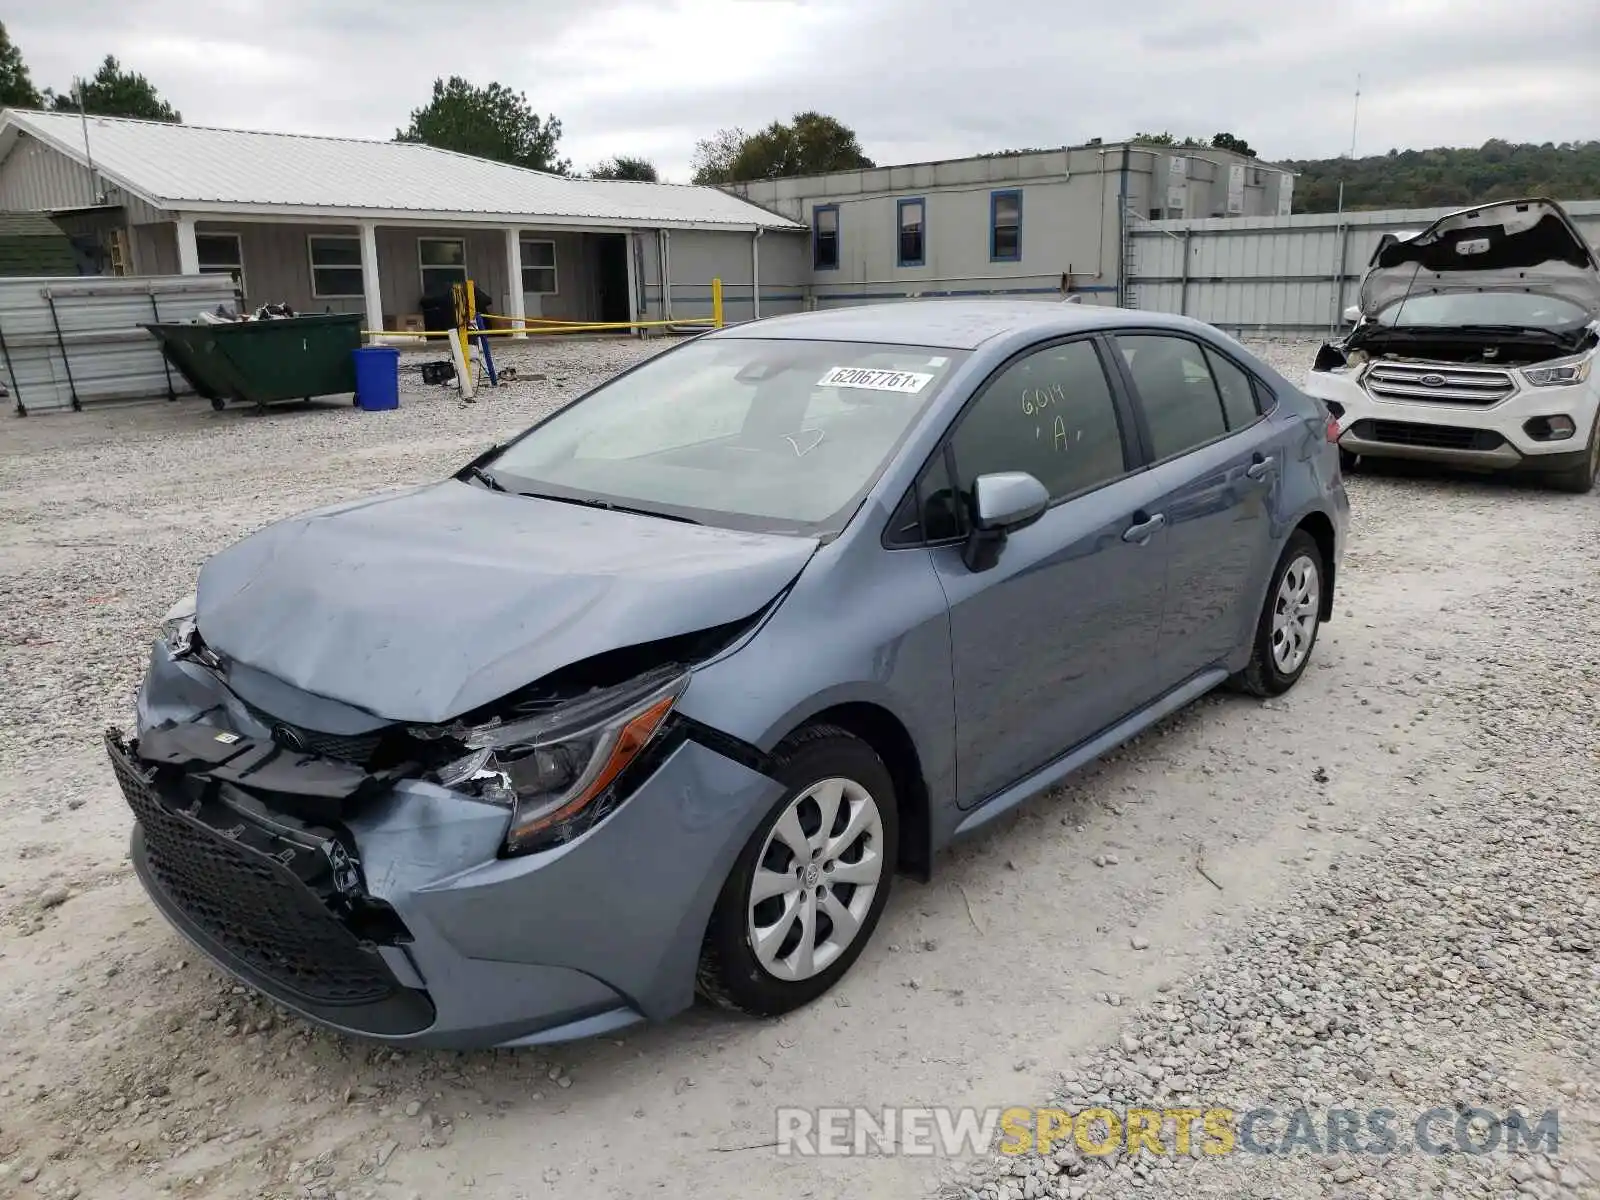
[{"x": 197, "y": 169}]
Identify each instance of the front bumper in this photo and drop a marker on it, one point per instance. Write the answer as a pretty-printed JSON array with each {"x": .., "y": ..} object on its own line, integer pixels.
[
  {"x": 1487, "y": 438},
  {"x": 486, "y": 951}
]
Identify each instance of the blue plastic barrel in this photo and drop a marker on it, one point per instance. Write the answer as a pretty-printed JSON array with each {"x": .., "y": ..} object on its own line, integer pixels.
[{"x": 377, "y": 377}]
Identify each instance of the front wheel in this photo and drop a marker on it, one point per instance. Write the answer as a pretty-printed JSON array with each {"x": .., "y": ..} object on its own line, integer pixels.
[
  {"x": 809, "y": 887},
  {"x": 1580, "y": 479},
  {"x": 1289, "y": 620}
]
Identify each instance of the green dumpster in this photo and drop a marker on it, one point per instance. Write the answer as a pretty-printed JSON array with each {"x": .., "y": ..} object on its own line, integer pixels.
[{"x": 264, "y": 362}]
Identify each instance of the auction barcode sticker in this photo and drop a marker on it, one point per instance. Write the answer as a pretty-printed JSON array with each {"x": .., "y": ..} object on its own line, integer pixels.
[{"x": 875, "y": 379}]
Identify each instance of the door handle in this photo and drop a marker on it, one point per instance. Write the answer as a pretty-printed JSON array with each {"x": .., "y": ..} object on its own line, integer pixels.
[
  {"x": 1142, "y": 532},
  {"x": 1261, "y": 467}
]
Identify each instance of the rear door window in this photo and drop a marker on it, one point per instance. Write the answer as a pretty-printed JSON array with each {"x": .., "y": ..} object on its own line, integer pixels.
[
  {"x": 1238, "y": 396},
  {"x": 1182, "y": 407}
]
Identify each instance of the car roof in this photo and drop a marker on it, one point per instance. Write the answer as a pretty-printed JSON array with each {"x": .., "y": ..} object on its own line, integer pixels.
[{"x": 949, "y": 324}]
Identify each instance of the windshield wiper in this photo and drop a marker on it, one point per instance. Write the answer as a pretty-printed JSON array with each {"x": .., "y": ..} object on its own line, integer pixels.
[
  {"x": 483, "y": 477},
  {"x": 610, "y": 506}
]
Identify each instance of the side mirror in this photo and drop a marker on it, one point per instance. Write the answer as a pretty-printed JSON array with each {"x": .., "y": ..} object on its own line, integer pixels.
[
  {"x": 1003, "y": 503},
  {"x": 1353, "y": 313}
]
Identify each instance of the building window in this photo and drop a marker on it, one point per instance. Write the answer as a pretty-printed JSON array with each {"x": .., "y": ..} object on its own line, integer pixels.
[
  {"x": 825, "y": 237},
  {"x": 909, "y": 214},
  {"x": 220, "y": 254},
  {"x": 443, "y": 262},
  {"x": 1005, "y": 226},
  {"x": 335, "y": 266},
  {"x": 538, "y": 267}
]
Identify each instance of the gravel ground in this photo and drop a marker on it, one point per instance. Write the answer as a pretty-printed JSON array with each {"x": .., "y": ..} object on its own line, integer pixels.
[{"x": 1378, "y": 891}]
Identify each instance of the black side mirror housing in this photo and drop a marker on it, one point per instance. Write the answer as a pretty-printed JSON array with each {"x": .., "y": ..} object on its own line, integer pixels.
[{"x": 1002, "y": 503}]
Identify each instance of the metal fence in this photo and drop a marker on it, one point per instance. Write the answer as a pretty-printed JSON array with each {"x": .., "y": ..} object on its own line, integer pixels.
[
  {"x": 1265, "y": 276},
  {"x": 68, "y": 343}
]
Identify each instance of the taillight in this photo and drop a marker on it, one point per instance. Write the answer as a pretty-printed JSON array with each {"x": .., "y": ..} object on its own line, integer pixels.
[
  {"x": 1333, "y": 428},
  {"x": 1335, "y": 411}
]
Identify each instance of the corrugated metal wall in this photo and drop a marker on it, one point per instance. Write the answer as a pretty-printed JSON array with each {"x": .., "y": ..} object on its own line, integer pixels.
[
  {"x": 1283, "y": 275},
  {"x": 91, "y": 349}
]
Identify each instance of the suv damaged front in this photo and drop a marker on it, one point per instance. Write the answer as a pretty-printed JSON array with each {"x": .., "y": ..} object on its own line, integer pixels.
[{"x": 1474, "y": 346}]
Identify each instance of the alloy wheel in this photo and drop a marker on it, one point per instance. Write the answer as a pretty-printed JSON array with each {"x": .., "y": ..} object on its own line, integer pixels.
[
  {"x": 1295, "y": 612},
  {"x": 815, "y": 879}
]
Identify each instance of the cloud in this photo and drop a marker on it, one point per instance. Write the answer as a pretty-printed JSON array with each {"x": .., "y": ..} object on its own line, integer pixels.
[{"x": 917, "y": 79}]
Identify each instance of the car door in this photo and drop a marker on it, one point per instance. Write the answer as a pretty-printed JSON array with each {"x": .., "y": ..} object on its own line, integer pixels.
[
  {"x": 1216, "y": 464},
  {"x": 1053, "y": 642}
]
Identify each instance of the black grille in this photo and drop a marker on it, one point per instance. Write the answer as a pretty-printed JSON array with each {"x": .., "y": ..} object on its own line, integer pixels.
[
  {"x": 1444, "y": 437},
  {"x": 351, "y": 748},
  {"x": 252, "y": 904}
]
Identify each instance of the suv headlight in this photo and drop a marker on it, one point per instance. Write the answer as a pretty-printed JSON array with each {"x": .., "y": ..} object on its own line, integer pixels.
[
  {"x": 1558, "y": 374},
  {"x": 178, "y": 627},
  {"x": 557, "y": 772}
]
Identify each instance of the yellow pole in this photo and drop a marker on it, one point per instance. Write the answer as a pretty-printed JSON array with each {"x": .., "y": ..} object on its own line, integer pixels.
[
  {"x": 471, "y": 320},
  {"x": 716, "y": 303}
]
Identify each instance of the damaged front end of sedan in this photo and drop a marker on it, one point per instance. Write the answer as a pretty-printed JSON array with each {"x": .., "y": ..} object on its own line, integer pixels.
[{"x": 345, "y": 864}]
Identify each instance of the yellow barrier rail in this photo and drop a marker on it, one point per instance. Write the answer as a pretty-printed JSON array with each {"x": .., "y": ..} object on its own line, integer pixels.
[{"x": 467, "y": 313}]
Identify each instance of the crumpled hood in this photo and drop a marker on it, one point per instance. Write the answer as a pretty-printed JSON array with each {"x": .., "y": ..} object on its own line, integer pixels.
[
  {"x": 1511, "y": 245},
  {"x": 424, "y": 604}
]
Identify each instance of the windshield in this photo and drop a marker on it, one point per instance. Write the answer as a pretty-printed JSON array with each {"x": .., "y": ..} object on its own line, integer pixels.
[
  {"x": 759, "y": 434},
  {"x": 1524, "y": 310}
]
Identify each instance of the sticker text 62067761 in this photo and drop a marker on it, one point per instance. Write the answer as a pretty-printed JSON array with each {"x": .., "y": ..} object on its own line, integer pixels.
[{"x": 875, "y": 379}]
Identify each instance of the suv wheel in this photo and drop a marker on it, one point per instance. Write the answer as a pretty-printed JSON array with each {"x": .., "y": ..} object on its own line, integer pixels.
[
  {"x": 1580, "y": 478},
  {"x": 809, "y": 887},
  {"x": 1290, "y": 619}
]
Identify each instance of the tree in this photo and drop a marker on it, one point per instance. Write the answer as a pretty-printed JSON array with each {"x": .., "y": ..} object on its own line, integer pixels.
[
  {"x": 1167, "y": 139},
  {"x": 713, "y": 157},
  {"x": 113, "y": 92},
  {"x": 811, "y": 144},
  {"x": 641, "y": 170},
  {"x": 1448, "y": 176},
  {"x": 1226, "y": 141},
  {"x": 489, "y": 122},
  {"x": 16, "y": 86}
]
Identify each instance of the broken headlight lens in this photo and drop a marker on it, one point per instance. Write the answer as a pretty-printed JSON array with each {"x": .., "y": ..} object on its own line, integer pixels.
[
  {"x": 555, "y": 771},
  {"x": 178, "y": 627},
  {"x": 1558, "y": 374}
]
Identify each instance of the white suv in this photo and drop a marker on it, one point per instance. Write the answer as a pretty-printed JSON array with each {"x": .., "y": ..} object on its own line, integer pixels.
[{"x": 1474, "y": 345}]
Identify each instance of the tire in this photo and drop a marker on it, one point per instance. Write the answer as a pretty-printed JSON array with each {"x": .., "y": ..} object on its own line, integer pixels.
[
  {"x": 732, "y": 973},
  {"x": 1272, "y": 670},
  {"x": 1348, "y": 461},
  {"x": 1580, "y": 479}
]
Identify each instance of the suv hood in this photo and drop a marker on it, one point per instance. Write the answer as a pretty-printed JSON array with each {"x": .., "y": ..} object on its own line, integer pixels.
[
  {"x": 425, "y": 604},
  {"x": 1511, "y": 245}
]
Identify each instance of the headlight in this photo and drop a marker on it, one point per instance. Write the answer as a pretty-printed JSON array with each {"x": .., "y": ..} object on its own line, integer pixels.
[
  {"x": 556, "y": 771},
  {"x": 178, "y": 627},
  {"x": 1558, "y": 374}
]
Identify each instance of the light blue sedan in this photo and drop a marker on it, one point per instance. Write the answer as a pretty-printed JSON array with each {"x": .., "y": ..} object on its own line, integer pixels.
[{"x": 660, "y": 696}]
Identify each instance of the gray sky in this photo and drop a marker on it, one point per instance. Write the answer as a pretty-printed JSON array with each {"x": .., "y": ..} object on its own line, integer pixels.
[{"x": 916, "y": 79}]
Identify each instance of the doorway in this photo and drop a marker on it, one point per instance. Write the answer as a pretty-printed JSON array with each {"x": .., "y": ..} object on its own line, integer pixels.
[{"x": 611, "y": 261}]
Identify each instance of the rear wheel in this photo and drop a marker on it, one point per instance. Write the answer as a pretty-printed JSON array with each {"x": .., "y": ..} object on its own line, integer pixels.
[
  {"x": 1290, "y": 619},
  {"x": 809, "y": 887},
  {"x": 1580, "y": 478}
]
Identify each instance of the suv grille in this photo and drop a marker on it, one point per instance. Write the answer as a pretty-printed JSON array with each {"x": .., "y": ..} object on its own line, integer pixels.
[
  {"x": 1444, "y": 437},
  {"x": 250, "y": 903},
  {"x": 1412, "y": 382}
]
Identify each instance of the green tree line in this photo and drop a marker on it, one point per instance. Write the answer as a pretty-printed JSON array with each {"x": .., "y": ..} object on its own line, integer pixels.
[{"x": 1447, "y": 176}]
